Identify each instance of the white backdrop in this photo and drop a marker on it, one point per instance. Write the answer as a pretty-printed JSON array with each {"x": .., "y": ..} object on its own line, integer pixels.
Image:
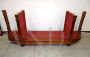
[{"x": 43, "y": 14}]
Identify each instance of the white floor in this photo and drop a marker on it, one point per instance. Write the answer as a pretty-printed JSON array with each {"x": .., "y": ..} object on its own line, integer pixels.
[{"x": 80, "y": 49}]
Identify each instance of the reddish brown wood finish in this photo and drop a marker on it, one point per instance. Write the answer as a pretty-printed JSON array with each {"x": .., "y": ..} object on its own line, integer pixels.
[
  {"x": 10, "y": 33},
  {"x": 78, "y": 33},
  {"x": 43, "y": 36},
  {"x": 21, "y": 23},
  {"x": 1, "y": 33},
  {"x": 82, "y": 20},
  {"x": 69, "y": 23}
]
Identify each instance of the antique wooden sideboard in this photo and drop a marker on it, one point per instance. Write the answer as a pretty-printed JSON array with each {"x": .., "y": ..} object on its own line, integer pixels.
[{"x": 22, "y": 36}]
